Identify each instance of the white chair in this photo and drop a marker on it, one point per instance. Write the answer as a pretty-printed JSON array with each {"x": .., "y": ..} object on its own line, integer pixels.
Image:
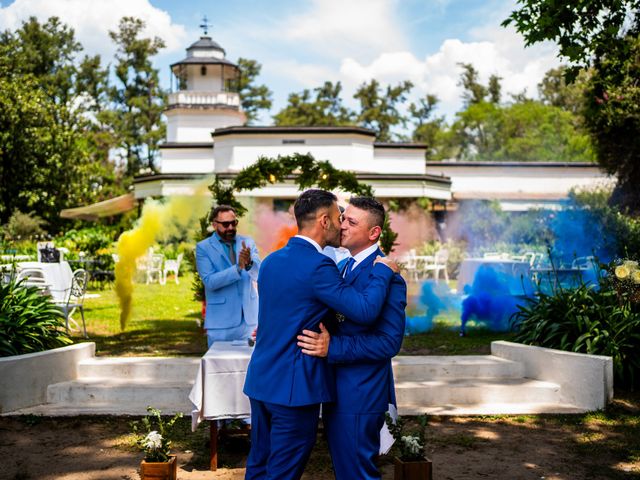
[
  {"x": 33, "y": 277},
  {"x": 410, "y": 263},
  {"x": 439, "y": 264},
  {"x": 172, "y": 266},
  {"x": 154, "y": 268},
  {"x": 584, "y": 263},
  {"x": 75, "y": 300}
]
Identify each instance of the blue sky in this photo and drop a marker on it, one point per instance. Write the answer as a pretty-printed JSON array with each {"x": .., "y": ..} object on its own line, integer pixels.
[{"x": 302, "y": 43}]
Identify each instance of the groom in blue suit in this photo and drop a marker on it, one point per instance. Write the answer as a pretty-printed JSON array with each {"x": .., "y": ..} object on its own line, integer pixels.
[
  {"x": 228, "y": 265},
  {"x": 360, "y": 354},
  {"x": 298, "y": 285}
]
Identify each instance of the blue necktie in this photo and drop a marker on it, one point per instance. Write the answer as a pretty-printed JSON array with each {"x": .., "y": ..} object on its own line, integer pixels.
[{"x": 348, "y": 267}]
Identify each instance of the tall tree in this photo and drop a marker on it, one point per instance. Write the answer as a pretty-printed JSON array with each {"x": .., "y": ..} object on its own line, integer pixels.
[
  {"x": 323, "y": 107},
  {"x": 46, "y": 115},
  {"x": 138, "y": 100},
  {"x": 379, "y": 109},
  {"x": 555, "y": 90},
  {"x": 474, "y": 92},
  {"x": 253, "y": 98},
  {"x": 429, "y": 129},
  {"x": 604, "y": 35}
]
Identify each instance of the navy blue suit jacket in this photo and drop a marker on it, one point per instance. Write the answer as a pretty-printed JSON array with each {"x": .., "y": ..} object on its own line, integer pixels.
[
  {"x": 361, "y": 354},
  {"x": 298, "y": 285}
]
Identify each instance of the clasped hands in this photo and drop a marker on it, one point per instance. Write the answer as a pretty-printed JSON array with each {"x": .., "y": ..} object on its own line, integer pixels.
[{"x": 244, "y": 257}]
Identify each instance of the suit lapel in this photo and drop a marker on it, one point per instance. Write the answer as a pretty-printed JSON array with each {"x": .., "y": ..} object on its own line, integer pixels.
[
  {"x": 365, "y": 264},
  {"x": 217, "y": 246}
]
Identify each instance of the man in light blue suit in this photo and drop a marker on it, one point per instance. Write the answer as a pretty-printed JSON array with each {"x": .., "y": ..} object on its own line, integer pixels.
[
  {"x": 228, "y": 265},
  {"x": 298, "y": 285},
  {"x": 360, "y": 354}
]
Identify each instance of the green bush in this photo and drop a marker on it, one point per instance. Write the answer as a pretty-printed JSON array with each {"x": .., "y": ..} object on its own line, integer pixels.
[
  {"x": 586, "y": 320},
  {"x": 457, "y": 251},
  {"x": 24, "y": 226},
  {"x": 29, "y": 321},
  {"x": 93, "y": 241}
]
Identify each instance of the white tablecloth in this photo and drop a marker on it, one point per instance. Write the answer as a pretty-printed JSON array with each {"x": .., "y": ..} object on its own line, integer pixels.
[
  {"x": 217, "y": 391},
  {"x": 58, "y": 277}
]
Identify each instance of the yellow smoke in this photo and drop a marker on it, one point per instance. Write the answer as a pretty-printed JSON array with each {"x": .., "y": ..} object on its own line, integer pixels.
[{"x": 158, "y": 221}]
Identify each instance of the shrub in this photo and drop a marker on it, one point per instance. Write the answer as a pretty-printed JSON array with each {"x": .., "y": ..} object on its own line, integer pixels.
[
  {"x": 456, "y": 250},
  {"x": 24, "y": 225},
  {"x": 586, "y": 320},
  {"x": 29, "y": 321},
  {"x": 89, "y": 240}
]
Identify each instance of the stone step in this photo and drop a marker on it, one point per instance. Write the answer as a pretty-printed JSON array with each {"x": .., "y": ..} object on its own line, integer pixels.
[
  {"x": 70, "y": 410},
  {"x": 134, "y": 395},
  {"x": 416, "y": 368},
  {"x": 156, "y": 368},
  {"x": 476, "y": 391}
]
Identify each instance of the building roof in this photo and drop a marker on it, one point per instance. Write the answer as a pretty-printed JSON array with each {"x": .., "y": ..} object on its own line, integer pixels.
[
  {"x": 291, "y": 130},
  {"x": 399, "y": 145},
  {"x": 206, "y": 43},
  {"x": 455, "y": 164},
  {"x": 186, "y": 145},
  {"x": 204, "y": 61}
]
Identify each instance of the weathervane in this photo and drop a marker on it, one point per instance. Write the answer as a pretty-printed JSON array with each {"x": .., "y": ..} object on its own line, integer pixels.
[{"x": 204, "y": 25}]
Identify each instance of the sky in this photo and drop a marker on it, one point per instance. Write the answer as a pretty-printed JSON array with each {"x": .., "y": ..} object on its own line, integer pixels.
[{"x": 303, "y": 43}]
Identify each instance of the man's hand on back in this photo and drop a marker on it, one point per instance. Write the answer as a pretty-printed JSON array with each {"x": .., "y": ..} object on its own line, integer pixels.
[
  {"x": 313, "y": 343},
  {"x": 388, "y": 262}
]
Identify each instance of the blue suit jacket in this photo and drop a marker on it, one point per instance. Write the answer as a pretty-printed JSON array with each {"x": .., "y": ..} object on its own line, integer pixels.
[
  {"x": 228, "y": 292},
  {"x": 361, "y": 354},
  {"x": 297, "y": 287}
]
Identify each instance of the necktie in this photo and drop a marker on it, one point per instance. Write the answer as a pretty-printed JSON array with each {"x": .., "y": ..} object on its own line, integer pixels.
[
  {"x": 348, "y": 267},
  {"x": 232, "y": 253}
]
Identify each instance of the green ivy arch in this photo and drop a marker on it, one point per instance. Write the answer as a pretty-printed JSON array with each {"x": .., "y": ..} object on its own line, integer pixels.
[{"x": 307, "y": 172}]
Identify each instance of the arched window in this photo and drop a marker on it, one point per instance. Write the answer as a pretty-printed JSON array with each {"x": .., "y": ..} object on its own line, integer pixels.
[{"x": 203, "y": 70}]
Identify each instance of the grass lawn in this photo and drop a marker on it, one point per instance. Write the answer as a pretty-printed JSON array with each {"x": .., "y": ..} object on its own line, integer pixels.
[{"x": 164, "y": 321}]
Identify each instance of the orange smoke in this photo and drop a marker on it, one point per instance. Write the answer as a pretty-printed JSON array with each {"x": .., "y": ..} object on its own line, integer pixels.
[{"x": 283, "y": 236}]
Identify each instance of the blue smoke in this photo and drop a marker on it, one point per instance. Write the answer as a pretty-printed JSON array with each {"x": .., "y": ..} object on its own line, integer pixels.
[{"x": 435, "y": 298}]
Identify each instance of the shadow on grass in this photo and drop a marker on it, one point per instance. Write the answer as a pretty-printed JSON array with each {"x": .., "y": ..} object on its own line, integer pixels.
[
  {"x": 445, "y": 340},
  {"x": 157, "y": 338}
]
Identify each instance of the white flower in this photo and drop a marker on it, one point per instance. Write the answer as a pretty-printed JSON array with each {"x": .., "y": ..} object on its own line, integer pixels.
[
  {"x": 153, "y": 440},
  {"x": 412, "y": 444}
]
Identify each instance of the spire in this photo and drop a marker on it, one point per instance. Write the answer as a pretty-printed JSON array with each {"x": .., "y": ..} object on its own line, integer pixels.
[{"x": 205, "y": 25}]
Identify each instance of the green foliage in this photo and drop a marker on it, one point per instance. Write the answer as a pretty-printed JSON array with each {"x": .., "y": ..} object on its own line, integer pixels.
[
  {"x": 409, "y": 442},
  {"x": 457, "y": 252},
  {"x": 138, "y": 101},
  {"x": 252, "y": 97},
  {"x": 154, "y": 439},
  {"x": 29, "y": 321},
  {"x": 379, "y": 109},
  {"x": 586, "y": 320},
  {"x": 325, "y": 109},
  {"x": 24, "y": 226},
  {"x": 88, "y": 240}
]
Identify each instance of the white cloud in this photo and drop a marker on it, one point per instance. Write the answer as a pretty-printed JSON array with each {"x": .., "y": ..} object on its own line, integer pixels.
[
  {"x": 496, "y": 51},
  {"x": 338, "y": 28},
  {"x": 92, "y": 20}
]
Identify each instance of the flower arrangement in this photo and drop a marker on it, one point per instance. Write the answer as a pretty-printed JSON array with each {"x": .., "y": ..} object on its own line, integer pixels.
[
  {"x": 626, "y": 278},
  {"x": 410, "y": 444},
  {"x": 154, "y": 439}
]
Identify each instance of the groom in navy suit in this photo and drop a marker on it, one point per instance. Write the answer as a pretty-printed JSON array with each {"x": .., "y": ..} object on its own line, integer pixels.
[
  {"x": 298, "y": 285},
  {"x": 360, "y": 354}
]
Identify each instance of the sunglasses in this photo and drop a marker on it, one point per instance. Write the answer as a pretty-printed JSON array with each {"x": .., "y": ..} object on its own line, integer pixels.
[{"x": 227, "y": 224}]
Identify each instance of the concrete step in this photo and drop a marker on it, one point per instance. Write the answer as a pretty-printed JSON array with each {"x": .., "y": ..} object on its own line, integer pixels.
[
  {"x": 456, "y": 366},
  {"x": 71, "y": 410},
  {"x": 156, "y": 368},
  {"x": 476, "y": 391},
  {"x": 134, "y": 395}
]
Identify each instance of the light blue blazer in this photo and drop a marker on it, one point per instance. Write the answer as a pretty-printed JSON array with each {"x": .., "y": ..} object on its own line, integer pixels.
[
  {"x": 297, "y": 286},
  {"x": 228, "y": 292}
]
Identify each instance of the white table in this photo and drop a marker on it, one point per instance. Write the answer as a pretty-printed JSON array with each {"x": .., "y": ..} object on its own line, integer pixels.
[
  {"x": 57, "y": 276},
  {"x": 217, "y": 391}
]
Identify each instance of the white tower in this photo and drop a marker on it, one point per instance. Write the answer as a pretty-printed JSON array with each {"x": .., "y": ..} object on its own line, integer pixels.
[{"x": 207, "y": 94}]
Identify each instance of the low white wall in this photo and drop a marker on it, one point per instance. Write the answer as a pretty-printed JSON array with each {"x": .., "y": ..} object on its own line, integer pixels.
[
  {"x": 24, "y": 378},
  {"x": 585, "y": 380}
]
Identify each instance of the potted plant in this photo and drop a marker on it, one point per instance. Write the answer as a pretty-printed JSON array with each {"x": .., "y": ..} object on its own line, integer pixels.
[
  {"x": 152, "y": 437},
  {"x": 411, "y": 464}
]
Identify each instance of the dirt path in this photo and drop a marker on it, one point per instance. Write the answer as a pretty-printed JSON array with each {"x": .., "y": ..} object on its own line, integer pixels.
[{"x": 529, "y": 448}]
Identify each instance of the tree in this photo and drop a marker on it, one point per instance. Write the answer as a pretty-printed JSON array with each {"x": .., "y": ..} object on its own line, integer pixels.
[
  {"x": 379, "y": 109},
  {"x": 556, "y": 91},
  {"x": 603, "y": 35},
  {"x": 325, "y": 109},
  {"x": 429, "y": 130},
  {"x": 138, "y": 101},
  {"x": 253, "y": 98},
  {"x": 45, "y": 122}
]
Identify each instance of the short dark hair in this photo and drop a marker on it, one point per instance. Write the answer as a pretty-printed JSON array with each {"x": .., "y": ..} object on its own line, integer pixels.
[
  {"x": 219, "y": 209},
  {"x": 371, "y": 206},
  {"x": 310, "y": 202}
]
